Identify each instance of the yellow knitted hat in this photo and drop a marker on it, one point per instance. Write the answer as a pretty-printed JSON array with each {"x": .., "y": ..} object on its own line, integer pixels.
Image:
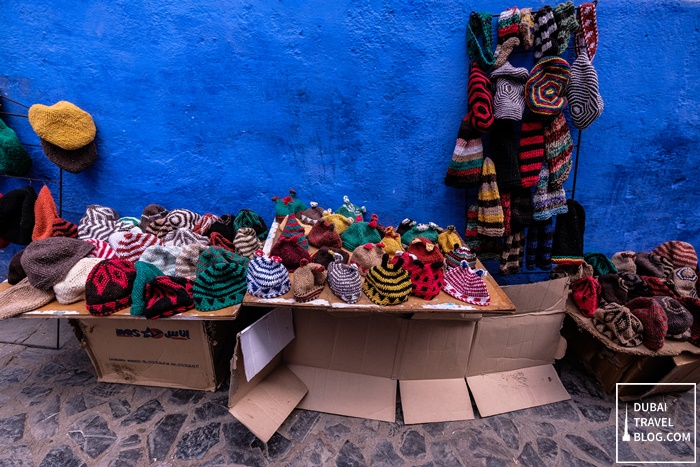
[
  {"x": 391, "y": 241},
  {"x": 340, "y": 222},
  {"x": 448, "y": 239},
  {"x": 63, "y": 124}
]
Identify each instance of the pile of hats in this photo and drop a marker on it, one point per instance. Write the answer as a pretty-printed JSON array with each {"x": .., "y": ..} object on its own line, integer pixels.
[
  {"x": 519, "y": 115},
  {"x": 639, "y": 298}
]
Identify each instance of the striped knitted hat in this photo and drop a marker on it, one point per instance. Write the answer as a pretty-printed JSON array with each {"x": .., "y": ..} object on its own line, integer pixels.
[
  {"x": 565, "y": 17},
  {"x": 653, "y": 318},
  {"x": 531, "y": 155},
  {"x": 246, "y": 242},
  {"x": 324, "y": 256},
  {"x": 545, "y": 32},
  {"x": 17, "y": 215},
  {"x": 471, "y": 234},
  {"x": 527, "y": 24},
  {"x": 545, "y": 91},
  {"x": 391, "y": 241},
  {"x": 108, "y": 287},
  {"x": 102, "y": 249},
  {"x": 220, "y": 285},
  {"x": 585, "y": 101},
  {"x": 428, "y": 231},
  {"x": 309, "y": 281},
  {"x": 215, "y": 255},
  {"x": 558, "y": 147},
  {"x": 129, "y": 222},
  {"x": 181, "y": 219},
  {"x": 360, "y": 233},
  {"x": 351, "y": 210},
  {"x": 480, "y": 40},
  {"x": 145, "y": 273},
  {"x": 186, "y": 261},
  {"x": 490, "y": 218},
  {"x": 267, "y": 277},
  {"x": 460, "y": 253},
  {"x": 312, "y": 215},
  {"x": 184, "y": 236},
  {"x": 449, "y": 239},
  {"x": 64, "y": 228},
  {"x": 224, "y": 226},
  {"x": 72, "y": 288},
  {"x": 217, "y": 239},
  {"x": 618, "y": 324},
  {"x": 151, "y": 213},
  {"x": 344, "y": 279},
  {"x": 679, "y": 254},
  {"x": 508, "y": 35},
  {"x": 367, "y": 256},
  {"x": 467, "y": 158},
  {"x": 163, "y": 257},
  {"x": 509, "y": 98},
  {"x": 22, "y": 297},
  {"x": 480, "y": 100},
  {"x": 589, "y": 28},
  {"x": 513, "y": 252},
  {"x": 204, "y": 223},
  {"x": 388, "y": 284},
  {"x": 425, "y": 250},
  {"x": 547, "y": 202},
  {"x": 291, "y": 252},
  {"x": 167, "y": 296},
  {"x": 504, "y": 153},
  {"x": 46, "y": 262},
  {"x": 130, "y": 246},
  {"x": 340, "y": 222},
  {"x": 98, "y": 222},
  {"x": 466, "y": 285},
  {"x": 323, "y": 234},
  {"x": 292, "y": 228}
]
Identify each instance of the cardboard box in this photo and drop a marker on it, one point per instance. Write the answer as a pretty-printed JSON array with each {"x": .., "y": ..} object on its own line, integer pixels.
[
  {"x": 675, "y": 362},
  {"x": 182, "y": 354}
]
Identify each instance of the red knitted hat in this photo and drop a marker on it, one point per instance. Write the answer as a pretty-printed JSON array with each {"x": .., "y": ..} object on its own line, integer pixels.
[
  {"x": 480, "y": 99},
  {"x": 680, "y": 254},
  {"x": 425, "y": 250},
  {"x": 108, "y": 286},
  {"x": 130, "y": 246},
  {"x": 466, "y": 285},
  {"x": 428, "y": 280},
  {"x": 167, "y": 296},
  {"x": 292, "y": 228},
  {"x": 659, "y": 286},
  {"x": 653, "y": 318},
  {"x": 531, "y": 154},
  {"x": 218, "y": 239},
  {"x": 323, "y": 234},
  {"x": 291, "y": 252},
  {"x": 585, "y": 292},
  {"x": 589, "y": 28}
]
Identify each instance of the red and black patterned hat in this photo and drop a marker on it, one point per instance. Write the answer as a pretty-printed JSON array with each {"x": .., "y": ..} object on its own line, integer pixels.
[
  {"x": 167, "y": 296},
  {"x": 108, "y": 287}
]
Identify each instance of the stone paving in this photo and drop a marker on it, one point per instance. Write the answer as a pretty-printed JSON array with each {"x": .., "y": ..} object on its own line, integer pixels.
[{"x": 53, "y": 412}]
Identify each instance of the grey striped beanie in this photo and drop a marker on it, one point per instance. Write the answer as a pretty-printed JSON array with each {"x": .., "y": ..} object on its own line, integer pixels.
[
  {"x": 163, "y": 257},
  {"x": 344, "y": 280},
  {"x": 98, "y": 222},
  {"x": 246, "y": 242},
  {"x": 186, "y": 261},
  {"x": 585, "y": 101},
  {"x": 267, "y": 277},
  {"x": 184, "y": 236},
  {"x": 509, "y": 98}
]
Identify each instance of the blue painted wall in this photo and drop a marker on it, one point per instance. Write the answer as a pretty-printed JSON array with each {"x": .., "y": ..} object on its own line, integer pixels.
[{"x": 216, "y": 106}]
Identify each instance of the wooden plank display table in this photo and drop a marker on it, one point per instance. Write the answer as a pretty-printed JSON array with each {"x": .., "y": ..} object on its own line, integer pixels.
[{"x": 328, "y": 301}]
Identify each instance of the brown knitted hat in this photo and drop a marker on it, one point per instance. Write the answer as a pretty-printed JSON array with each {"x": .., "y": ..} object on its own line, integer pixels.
[
  {"x": 624, "y": 261},
  {"x": 290, "y": 251},
  {"x": 15, "y": 271},
  {"x": 323, "y": 234},
  {"x": 617, "y": 323},
  {"x": 367, "y": 256},
  {"x": 74, "y": 161},
  {"x": 22, "y": 297},
  {"x": 309, "y": 281},
  {"x": 48, "y": 261},
  {"x": 324, "y": 256}
]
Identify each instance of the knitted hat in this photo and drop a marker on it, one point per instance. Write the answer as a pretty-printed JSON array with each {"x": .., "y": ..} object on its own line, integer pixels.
[
  {"x": 505, "y": 205},
  {"x": 291, "y": 252},
  {"x": 460, "y": 253},
  {"x": 545, "y": 91},
  {"x": 426, "y": 279},
  {"x": 14, "y": 159},
  {"x": 63, "y": 124},
  {"x": 504, "y": 153},
  {"x": 217, "y": 239},
  {"x": 220, "y": 285},
  {"x": 167, "y": 296},
  {"x": 601, "y": 264},
  {"x": 98, "y": 222},
  {"x": 679, "y": 318},
  {"x": 547, "y": 201},
  {"x": 585, "y": 293},
  {"x": 367, "y": 256},
  {"x": 589, "y": 28},
  {"x": 44, "y": 214},
  {"x": 480, "y": 40},
  {"x": 145, "y": 273},
  {"x": 72, "y": 288},
  {"x": 659, "y": 286},
  {"x": 323, "y": 234},
  {"x": 449, "y": 239},
  {"x": 428, "y": 231},
  {"x": 521, "y": 207},
  {"x": 404, "y": 226},
  {"x": 391, "y": 241},
  {"x": 224, "y": 226},
  {"x": 22, "y": 297},
  {"x": 246, "y": 242},
  {"x": 490, "y": 220},
  {"x": 585, "y": 101},
  {"x": 102, "y": 249},
  {"x": 540, "y": 237},
  {"x": 267, "y": 277},
  {"x": 653, "y": 318},
  {"x": 186, "y": 261},
  {"x": 344, "y": 279},
  {"x": 387, "y": 284},
  {"x": 649, "y": 264},
  {"x": 350, "y": 210},
  {"x": 466, "y": 285},
  {"x": 108, "y": 287},
  {"x": 292, "y": 228},
  {"x": 182, "y": 219},
  {"x": 565, "y": 17},
  {"x": 527, "y": 25},
  {"x": 618, "y": 324},
  {"x": 324, "y": 256},
  {"x": 573, "y": 271},
  {"x": 360, "y": 233},
  {"x": 613, "y": 289},
  {"x": 17, "y": 215},
  {"x": 467, "y": 158},
  {"x": 73, "y": 161},
  {"x": 508, "y": 35},
  {"x": 204, "y": 223},
  {"x": 684, "y": 280},
  {"x": 340, "y": 223},
  {"x": 309, "y": 281},
  {"x": 15, "y": 271},
  {"x": 558, "y": 147},
  {"x": 215, "y": 255},
  {"x": 680, "y": 254},
  {"x": 128, "y": 224},
  {"x": 567, "y": 246},
  {"x": 62, "y": 228},
  {"x": 151, "y": 213},
  {"x": 531, "y": 153},
  {"x": 163, "y": 257},
  {"x": 425, "y": 250},
  {"x": 312, "y": 215},
  {"x": 509, "y": 98},
  {"x": 48, "y": 261},
  {"x": 130, "y": 246},
  {"x": 545, "y": 32},
  {"x": 183, "y": 236},
  {"x": 624, "y": 261},
  {"x": 283, "y": 207},
  {"x": 480, "y": 101},
  {"x": 513, "y": 252},
  {"x": 634, "y": 284},
  {"x": 693, "y": 306}
]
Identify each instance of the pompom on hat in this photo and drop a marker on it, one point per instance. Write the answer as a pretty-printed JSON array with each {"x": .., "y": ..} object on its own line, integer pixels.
[
  {"x": 313, "y": 214},
  {"x": 288, "y": 205},
  {"x": 466, "y": 285},
  {"x": 545, "y": 90},
  {"x": 267, "y": 277},
  {"x": 109, "y": 285},
  {"x": 429, "y": 231},
  {"x": 448, "y": 239},
  {"x": 360, "y": 233},
  {"x": 63, "y": 124}
]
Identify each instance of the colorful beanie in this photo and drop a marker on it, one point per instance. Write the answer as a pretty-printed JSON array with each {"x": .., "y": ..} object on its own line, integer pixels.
[
  {"x": 246, "y": 242},
  {"x": 460, "y": 253},
  {"x": 360, "y": 233},
  {"x": 428, "y": 231},
  {"x": 467, "y": 158},
  {"x": 527, "y": 25},
  {"x": 292, "y": 228},
  {"x": 98, "y": 222},
  {"x": 653, "y": 318},
  {"x": 17, "y": 215},
  {"x": 490, "y": 219},
  {"x": 545, "y": 91},
  {"x": 565, "y": 17},
  {"x": 145, "y": 273},
  {"x": 508, "y": 35},
  {"x": 204, "y": 223},
  {"x": 531, "y": 153},
  {"x": 167, "y": 296},
  {"x": 291, "y": 252},
  {"x": 509, "y": 97},
  {"x": 325, "y": 256},
  {"x": 14, "y": 159},
  {"x": 600, "y": 263},
  {"x": 367, "y": 256},
  {"x": 659, "y": 286},
  {"x": 425, "y": 250},
  {"x": 267, "y": 277},
  {"x": 186, "y": 261},
  {"x": 679, "y": 318},
  {"x": 47, "y": 262},
  {"x": 388, "y": 284},
  {"x": 504, "y": 153},
  {"x": 589, "y": 28},
  {"x": 249, "y": 218},
  {"x": 585, "y": 292},
  {"x": 323, "y": 234},
  {"x": 684, "y": 281},
  {"x": 545, "y": 32},
  {"x": 215, "y": 255},
  {"x": 391, "y": 241},
  {"x": 426, "y": 279},
  {"x": 108, "y": 287},
  {"x": 680, "y": 254},
  {"x": 480, "y": 100},
  {"x": 284, "y": 206},
  {"x": 585, "y": 101},
  {"x": 183, "y": 236},
  {"x": 546, "y": 201},
  {"x": 558, "y": 147},
  {"x": 217, "y": 239},
  {"x": 350, "y": 210},
  {"x": 649, "y": 264},
  {"x": 313, "y": 214},
  {"x": 130, "y": 246},
  {"x": 23, "y": 297},
  {"x": 220, "y": 285},
  {"x": 449, "y": 239},
  {"x": 102, "y": 249},
  {"x": 309, "y": 281},
  {"x": 513, "y": 252},
  {"x": 72, "y": 288},
  {"x": 344, "y": 280},
  {"x": 163, "y": 257},
  {"x": 624, "y": 261},
  {"x": 480, "y": 40},
  {"x": 567, "y": 245},
  {"x": 466, "y": 285},
  {"x": 340, "y": 222},
  {"x": 617, "y": 323}
]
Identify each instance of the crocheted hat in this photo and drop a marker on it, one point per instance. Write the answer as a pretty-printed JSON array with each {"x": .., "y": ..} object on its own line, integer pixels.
[
  {"x": 46, "y": 262},
  {"x": 309, "y": 281},
  {"x": 504, "y": 153},
  {"x": 546, "y": 201},
  {"x": 653, "y": 318},
  {"x": 17, "y": 215},
  {"x": 467, "y": 158},
  {"x": 291, "y": 252},
  {"x": 204, "y": 224},
  {"x": 404, "y": 226},
  {"x": 649, "y": 264},
  {"x": 585, "y": 293},
  {"x": 618, "y": 324},
  {"x": 425, "y": 250},
  {"x": 216, "y": 239},
  {"x": 360, "y": 233},
  {"x": 545, "y": 91},
  {"x": 428, "y": 231},
  {"x": 98, "y": 222},
  {"x": 344, "y": 279},
  {"x": 527, "y": 25},
  {"x": 167, "y": 296},
  {"x": 448, "y": 239},
  {"x": 14, "y": 159},
  {"x": 531, "y": 153},
  {"x": 108, "y": 287},
  {"x": 426, "y": 279},
  {"x": 15, "y": 271},
  {"x": 589, "y": 28},
  {"x": 150, "y": 214},
  {"x": 460, "y": 253},
  {"x": 367, "y": 256},
  {"x": 292, "y": 228},
  {"x": 340, "y": 222},
  {"x": 565, "y": 17},
  {"x": 182, "y": 237},
  {"x": 545, "y": 32},
  {"x": 323, "y": 234},
  {"x": 684, "y": 281},
  {"x": 186, "y": 261},
  {"x": 480, "y": 101},
  {"x": 220, "y": 285},
  {"x": 249, "y": 218},
  {"x": 130, "y": 246},
  {"x": 466, "y": 285},
  {"x": 585, "y": 101},
  {"x": 145, "y": 273},
  {"x": 558, "y": 147},
  {"x": 224, "y": 226},
  {"x": 480, "y": 40},
  {"x": 350, "y": 210},
  {"x": 73, "y": 161},
  {"x": 181, "y": 219},
  {"x": 246, "y": 242},
  {"x": 679, "y": 318},
  {"x": 391, "y": 241},
  {"x": 313, "y": 214},
  {"x": 215, "y": 255},
  {"x": 509, "y": 98},
  {"x": 23, "y": 297},
  {"x": 387, "y": 284},
  {"x": 679, "y": 254},
  {"x": 508, "y": 35},
  {"x": 490, "y": 219},
  {"x": 63, "y": 124},
  {"x": 567, "y": 246},
  {"x": 72, "y": 288},
  {"x": 267, "y": 277},
  {"x": 324, "y": 256},
  {"x": 624, "y": 261},
  {"x": 163, "y": 257},
  {"x": 102, "y": 249}
]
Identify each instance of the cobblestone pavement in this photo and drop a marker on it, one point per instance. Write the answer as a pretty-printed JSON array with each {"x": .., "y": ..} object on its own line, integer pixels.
[{"x": 53, "y": 412}]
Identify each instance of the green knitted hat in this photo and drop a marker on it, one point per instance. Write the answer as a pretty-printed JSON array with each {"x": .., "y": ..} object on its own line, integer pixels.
[
  {"x": 288, "y": 205},
  {"x": 145, "y": 273},
  {"x": 219, "y": 286},
  {"x": 248, "y": 218},
  {"x": 600, "y": 263},
  {"x": 359, "y": 233},
  {"x": 292, "y": 228},
  {"x": 215, "y": 255},
  {"x": 351, "y": 210},
  {"x": 429, "y": 231},
  {"x": 14, "y": 159}
]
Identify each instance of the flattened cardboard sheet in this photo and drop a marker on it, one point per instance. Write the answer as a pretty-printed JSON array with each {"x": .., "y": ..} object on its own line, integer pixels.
[
  {"x": 435, "y": 400},
  {"x": 349, "y": 394},
  {"x": 508, "y": 391},
  {"x": 539, "y": 296},
  {"x": 265, "y": 338}
]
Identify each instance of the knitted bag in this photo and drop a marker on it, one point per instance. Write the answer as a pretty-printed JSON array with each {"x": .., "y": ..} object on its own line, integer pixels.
[
  {"x": 367, "y": 256},
  {"x": 618, "y": 324},
  {"x": 360, "y": 233},
  {"x": 108, "y": 287},
  {"x": 267, "y": 277},
  {"x": 388, "y": 284},
  {"x": 291, "y": 252},
  {"x": 309, "y": 281},
  {"x": 466, "y": 285},
  {"x": 344, "y": 280},
  {"x": 167, "y": 296},
  {"x": 145, "y": 273},
  {"x": 323, "y": 234}
]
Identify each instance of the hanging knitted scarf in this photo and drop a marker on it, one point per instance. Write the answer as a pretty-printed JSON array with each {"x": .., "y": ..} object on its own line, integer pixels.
[{"x": 480, "y": 26}]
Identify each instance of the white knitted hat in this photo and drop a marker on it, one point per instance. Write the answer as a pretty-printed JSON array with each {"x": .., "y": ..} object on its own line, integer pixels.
[
  {"x": 22, "y": 297},
  {"x": 163, "y": 257},
  {"x": 72, "y": 288}
]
